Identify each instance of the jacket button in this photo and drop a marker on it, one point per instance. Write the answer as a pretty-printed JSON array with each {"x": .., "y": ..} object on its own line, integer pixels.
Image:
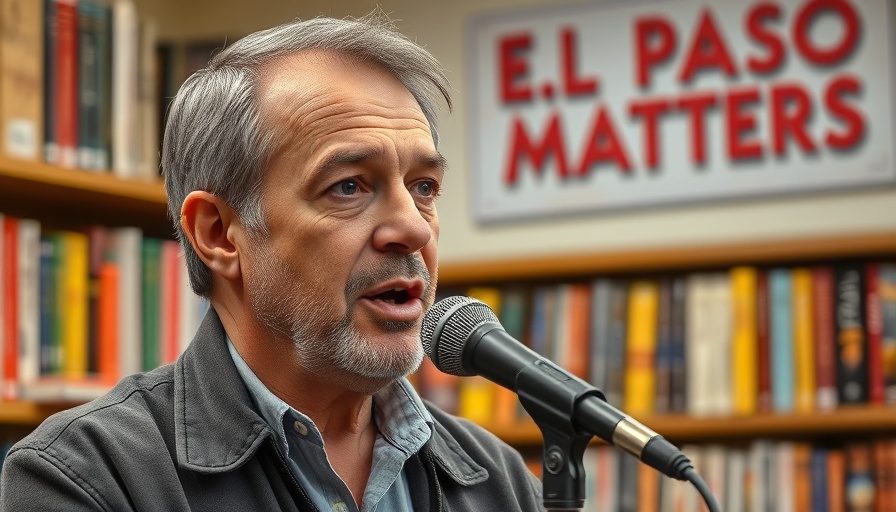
[{"x": 300, "y": 428}]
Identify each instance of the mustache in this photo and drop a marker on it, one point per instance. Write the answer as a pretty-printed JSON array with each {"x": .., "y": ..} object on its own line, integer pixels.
[{"x": 393, "y": 266}]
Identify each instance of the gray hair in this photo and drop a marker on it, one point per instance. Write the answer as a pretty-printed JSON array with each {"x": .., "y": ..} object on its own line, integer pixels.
[{"x": 213, "y": 137}]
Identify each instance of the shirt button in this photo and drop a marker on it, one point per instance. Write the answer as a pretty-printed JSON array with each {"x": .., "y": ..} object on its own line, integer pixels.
[
  {"x": 339, "y": 507},
  {"x": 300, "y": 428}
]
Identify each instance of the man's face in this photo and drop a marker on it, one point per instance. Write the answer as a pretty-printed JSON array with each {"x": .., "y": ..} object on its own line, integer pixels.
[{"x": 349, "y": 264}]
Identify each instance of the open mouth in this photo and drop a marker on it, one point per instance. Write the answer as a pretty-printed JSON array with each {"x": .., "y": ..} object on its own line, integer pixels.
[{"x": 393, "y": 296}]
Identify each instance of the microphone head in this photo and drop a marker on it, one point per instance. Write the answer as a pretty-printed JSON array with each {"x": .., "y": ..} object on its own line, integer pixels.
[{"x": 447, "y": 326}]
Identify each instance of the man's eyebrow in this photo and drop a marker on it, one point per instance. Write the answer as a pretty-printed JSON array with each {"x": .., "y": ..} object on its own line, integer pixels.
[
  {"x": 434, "y": 161},
  {"x": 348, "y": 156},
  {"x": 358, "y": 155}
]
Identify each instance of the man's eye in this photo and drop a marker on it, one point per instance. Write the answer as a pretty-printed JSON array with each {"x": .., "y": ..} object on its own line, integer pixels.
[
  {"x": 347, "y": 187},
  {"x": 427, "y": 188}
]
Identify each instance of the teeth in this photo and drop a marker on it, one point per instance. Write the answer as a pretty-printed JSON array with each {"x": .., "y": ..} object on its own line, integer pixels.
[{"x": 389, "y": 301}]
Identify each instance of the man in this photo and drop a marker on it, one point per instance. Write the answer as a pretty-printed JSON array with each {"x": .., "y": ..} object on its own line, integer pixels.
[{"x": 302, "y": 169}]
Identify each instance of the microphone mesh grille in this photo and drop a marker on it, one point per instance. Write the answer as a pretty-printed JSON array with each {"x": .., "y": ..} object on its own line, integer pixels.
[{"x": 460, "y": 316}]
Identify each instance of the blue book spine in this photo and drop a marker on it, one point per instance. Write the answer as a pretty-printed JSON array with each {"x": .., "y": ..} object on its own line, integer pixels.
[{"x": 781, "y": 339}]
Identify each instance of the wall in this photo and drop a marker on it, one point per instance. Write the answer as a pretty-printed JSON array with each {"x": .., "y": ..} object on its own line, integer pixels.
[{"x": 441, "y": 26}]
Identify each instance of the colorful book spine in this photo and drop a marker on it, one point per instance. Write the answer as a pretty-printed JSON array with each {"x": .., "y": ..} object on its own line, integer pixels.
[
  {"x": 825, "y": 341},
  {"x": 663, "y": 401},
  {"x": 744, "y": 367},
  {"x": 9, "y": 331},
  {"x": 75, "y": 309},
  {"x": 874, "y": 334},
  {"x": 678, "y": 369},
  {"x": 852, "y": 362},
  {"x": 640, "y": 369},
  {"x": 780, "y": 283},
  {"x": 66, "y": 82},
  {"x": 29, "y": 300},
  {"x": 887, "y": 295},
  {"x": 22, "y": 79},
  {"x": 616, "y": 345},
  {"x": 151, "y": 276},
  {"x": 803, "y": 341},
  {"x": 763, "y": 348}
]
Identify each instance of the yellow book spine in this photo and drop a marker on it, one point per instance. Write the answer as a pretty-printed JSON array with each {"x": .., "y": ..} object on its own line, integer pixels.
[
  {"x": 74, "y": 336},
  {"x": 803, "y": 341},
  {"x": 744, "y": 343},
  {"x": 640, "y": 372}
]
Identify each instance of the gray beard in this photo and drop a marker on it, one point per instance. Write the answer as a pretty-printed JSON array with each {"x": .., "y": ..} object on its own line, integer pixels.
[{"x": 335, "y": 348}]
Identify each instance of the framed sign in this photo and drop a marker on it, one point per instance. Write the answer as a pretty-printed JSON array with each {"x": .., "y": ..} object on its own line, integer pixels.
[{"x": 620, "y": 104}]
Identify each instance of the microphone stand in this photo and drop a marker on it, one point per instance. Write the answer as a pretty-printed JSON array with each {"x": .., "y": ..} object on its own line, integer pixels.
[{"x": 563, "y": 475}]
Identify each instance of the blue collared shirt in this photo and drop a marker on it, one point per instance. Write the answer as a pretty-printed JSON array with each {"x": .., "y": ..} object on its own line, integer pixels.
[{"x": 403, "y": 427}]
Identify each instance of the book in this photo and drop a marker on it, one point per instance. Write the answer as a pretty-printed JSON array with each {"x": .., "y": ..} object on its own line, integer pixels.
[
  {"x": 780, "y": 285},
  {"x": 709, "y": 343},
  {"x": 887, "y": 296},
  {"x": 852, "y": 362},
  {"x": 818, "y": 474},
  {"x": 9, "y": 312},
  {"x": 22, "y": 78},
  {"x": 29, "y": 300},
  {"x": 50, "y": 137},
  {"x": 125, "y": 93},
  {"x": 825, "y": 342},
  {"x": 147, "y": 136},
  {"x": 802, "y": 476},
  {"x": 836, "y": 480},
  {"x": 92, "y": 31},
  {"x": 66, "y": 83},
  {"x": 763, "y": 350},
  {"x": 151, "y": 301},
  {"x": 663, "y": 361},
  {"x": 640, "y": 369},
  {"x": 616, "y": 343},
  {"x": 874, "y": 334},
  {"x": 744, "y": 367},
  {"x": 803, "y": 341},
  {"x": 678, "y": 347},
  {"x": 124, "y": 251},
  {"x": 859, "y": 472},
  {"x": 75, "y": 299}
]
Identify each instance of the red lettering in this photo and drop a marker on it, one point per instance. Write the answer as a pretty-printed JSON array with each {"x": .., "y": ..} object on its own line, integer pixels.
[
  {"x": 791, "y": 108},
  {"x": 521, "y": 146},
  {"x": 837, "y": 52},
  {"x": 654, "y": 44},
  {"x": 740, "y": 123},
  {"x": 604, "y": 145},
  {"x": 572, "y": 83},
  {"x": 514, "y": 67},
  {"x": 765, "y": 37},
  {"x": 708, "y": 50},
  {"x": 852, "y": 119},
  {"x": 650, "y": 111},
  {"x": 696, "y": 106}
]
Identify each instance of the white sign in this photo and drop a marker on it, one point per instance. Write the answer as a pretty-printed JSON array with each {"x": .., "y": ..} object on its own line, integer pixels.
[{"x": 617, "y": 104}]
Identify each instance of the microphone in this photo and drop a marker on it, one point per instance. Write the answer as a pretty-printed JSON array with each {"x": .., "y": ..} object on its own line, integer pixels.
[{"x": 463, "y": 337}]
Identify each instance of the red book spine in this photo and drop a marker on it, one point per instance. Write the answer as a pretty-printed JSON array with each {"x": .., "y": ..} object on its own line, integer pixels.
[
  {"x": 825, "y": 342},
  {"x": 10, "y": 322},
  {"x": 874, "y": 326},
  {"x": 764, "y": 379},
  {"x": 67, "y": 81}
]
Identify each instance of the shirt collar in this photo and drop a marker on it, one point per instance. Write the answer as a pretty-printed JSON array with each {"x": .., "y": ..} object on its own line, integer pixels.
[{"x": 399, "y": 413}]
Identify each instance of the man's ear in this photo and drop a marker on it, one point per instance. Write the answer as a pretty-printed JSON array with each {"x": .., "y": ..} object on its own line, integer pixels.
[{"x": 211, "y": 225}]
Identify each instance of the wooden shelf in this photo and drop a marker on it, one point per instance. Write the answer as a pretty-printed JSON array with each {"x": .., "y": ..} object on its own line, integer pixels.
[
  {"x": 845, "y": 421},
  {"x": 65, "y": 196},
  {"x": 29, "y": 414},
  {"x": 771, "y": 251}
]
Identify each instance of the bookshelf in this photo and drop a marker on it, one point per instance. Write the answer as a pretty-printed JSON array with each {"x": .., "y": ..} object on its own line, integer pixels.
[
  {"x": 53, "y": 194},
  {"x": 844, "y": 422}
]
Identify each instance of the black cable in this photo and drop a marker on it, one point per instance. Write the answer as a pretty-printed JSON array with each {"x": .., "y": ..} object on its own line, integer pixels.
[{"x": 692, "y": 476}]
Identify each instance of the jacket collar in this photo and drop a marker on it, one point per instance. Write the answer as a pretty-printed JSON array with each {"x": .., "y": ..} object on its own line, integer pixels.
[{"x": 217, "y": 428}]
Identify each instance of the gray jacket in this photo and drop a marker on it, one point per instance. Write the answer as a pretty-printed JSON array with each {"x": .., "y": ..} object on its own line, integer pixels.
[{"x": 186, "y": 437}]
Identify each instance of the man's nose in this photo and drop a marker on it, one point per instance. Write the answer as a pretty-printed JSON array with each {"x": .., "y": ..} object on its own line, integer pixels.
[{"x": 402, "y": 227}]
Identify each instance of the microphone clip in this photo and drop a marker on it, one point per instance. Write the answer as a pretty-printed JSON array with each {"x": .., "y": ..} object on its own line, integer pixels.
[{"x": 563, "y": 475}]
